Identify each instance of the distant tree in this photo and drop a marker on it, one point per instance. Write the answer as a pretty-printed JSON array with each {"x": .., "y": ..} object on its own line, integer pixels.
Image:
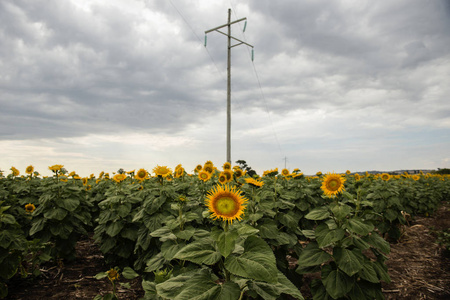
[
  {"x": 443, "y": 171},
  {"x": 245, "y": 167}
]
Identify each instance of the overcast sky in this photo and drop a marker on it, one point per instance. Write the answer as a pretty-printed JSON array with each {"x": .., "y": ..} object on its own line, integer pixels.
[{"x": 334, "y": 86}]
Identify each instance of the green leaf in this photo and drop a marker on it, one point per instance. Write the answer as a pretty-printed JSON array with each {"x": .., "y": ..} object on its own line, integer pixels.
[
  {"x": 268, "y": 230},
  {"x": 226, "y": 242},
  {"x": 390, "y": 214},
  {"x": 285, "y": 286},
  {"x": 56, "y": 213},
  {"x": 340, "y": 211},
  {"x": 155, "y": 263},
  {"x": 337, "y": 284},
  {"x": 69, "y": 204},
  {"x": 129, "y": 273},
  {"x": 101, "y": 275},
  {"x": 319, "y": 213},
  {"x": 360, "y": 227},
  {"x": 170, "y": 248},
  {"x": 378, "y": 242},
  {"x": 257, "y": 262},
  {"x": 349, "y": 261},
  {"x": 199, "y": 253},
  {"x": 312, "y": 256},
  {"x": 124, "y": 209},
  {"x": 325, "y": 236},
  {"x": 113, "y": 228},
  {"x": 245, "y": 229},
  {"x": 185, "y": 234},
  {"x": 8, "y": 219},
  {"x": 368, "y": 272}
]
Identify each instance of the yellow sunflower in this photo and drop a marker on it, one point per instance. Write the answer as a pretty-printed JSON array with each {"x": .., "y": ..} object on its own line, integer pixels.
[
  {"x": 238, "y": 173},
  {"x": 63, "y": 178},
  {"x": 141, "y": 174},
  {"x": 319, "y": 173},
  {"x": 385, "y": 176},
  {"x": 101, "y": 174},
  {"x": 55, "y": 168},
  {"x": 229, "y": 174},
  {"x": 84, "y": 180},
  {"x": 223, "y": 178},
  {"x": 416, "y": 177},
  {"x": 113, "y": 275},
  {"x": 119, "y": 177},
  {"x": 271, "y": 172},
  {"x": 204, "y": 175},
  {"x": 227, "y": 166},
  {"x": 332, "y": 184},
  {"x": 71, "y": 174},
  {"x": 15, "y": 172},
  {"x": 357, "y": 177},
  {"x": 198, "y": 168},
  {"x": 254, "y": 182},
  {"x": 179, "y": 171},
  {"x": 29, "y": 169},
  {"x": 225, "y": 203},
  {"x": 29, "y": 208},
  {"x": 162, "y": 171},
  {"x": 348, "y": 172},
  {"x": 285, "y": 172}
]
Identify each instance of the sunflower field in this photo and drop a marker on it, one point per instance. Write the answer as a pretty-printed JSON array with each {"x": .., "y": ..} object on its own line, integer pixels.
[{"x": 216, "y": 233}]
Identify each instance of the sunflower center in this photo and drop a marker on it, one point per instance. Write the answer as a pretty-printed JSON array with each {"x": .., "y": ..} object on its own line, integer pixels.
[
  {"x": 226, "y": 206},
  {"x": 333, "y": 185}
]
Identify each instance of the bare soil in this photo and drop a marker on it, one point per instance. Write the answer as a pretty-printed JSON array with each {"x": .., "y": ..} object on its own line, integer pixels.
[{"x": 419, "y": 269}]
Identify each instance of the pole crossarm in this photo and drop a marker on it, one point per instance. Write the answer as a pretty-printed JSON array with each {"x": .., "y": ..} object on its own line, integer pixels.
[
  {"x": 240, "y": 42},
  {"x": 228, "y": 24}
]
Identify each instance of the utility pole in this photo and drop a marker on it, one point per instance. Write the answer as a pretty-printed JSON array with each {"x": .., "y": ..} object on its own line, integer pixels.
[{"x": 229, "y": 72}]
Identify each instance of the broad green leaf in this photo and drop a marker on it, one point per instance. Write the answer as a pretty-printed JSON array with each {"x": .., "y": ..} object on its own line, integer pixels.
[
  {"x": 337, "y": 284},
  {"x": 325, "y": 236},
  {"x": 56, "y": 213},
  {"x": 8, "y": 219},
  {"x": 155, "y": 263},
  {"x": 226, "y": 242},
  {"x": 349, "y": 261},
  {"x": 340, "y": 211},
  {"x": 378, "y": 242},
  {"x": 101, "y": 275},
  {"x": 185, "y": 234},
  {"x": 170, "y": 248},
  {"x": 360, "y": 227},
  {"x": 319, "y": 213},
  {"x": 129, "y": 273},
  {"x": 199, "y": 253},
  {"x": 257, "y": 262},
  {"x": 268, "y": 230},
  {"x": 390, "y": 214},
  {"x": 285, "y": 286},
  {"x": 382, "y": 272},
  {"x": 312, "y": 256},
  {"x": 245, "y": 229},
  {"x": 124, "y": 209},
  {"x": 368, "y": 272},
  {"x": 113, "y": 228},
  {"x": 69, "y": 204}
]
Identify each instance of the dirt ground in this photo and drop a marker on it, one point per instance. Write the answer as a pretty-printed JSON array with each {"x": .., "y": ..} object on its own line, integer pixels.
[{"x": 418, "y": 266}]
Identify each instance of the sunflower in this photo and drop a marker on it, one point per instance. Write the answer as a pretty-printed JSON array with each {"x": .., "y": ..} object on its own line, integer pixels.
[
  {"x": 254, "y": 182},
  {"x": 29, "y": 208},
  {"x": 71, "y": 174},
  {"x": 416, "y": 177},
  {"x": 113, "y": 275},
  {"x": 223, "y": 178},
  {"x": 348, "y": 172},
  {"x": 227, "y": 166},
  {"x": 162, "y": 171},
  {"x": 91, "y": 176},
  {"x": 385, "y": 176},
  {"x": 271, "y": 172},
  {"x": 285, "y": 172},
  {"x": 332, "y": 184},
  {"x": 204, "y": 175},
  {"x": 106, "y": 175},
  {"x": 29, "y": 169},
  {"x": 140, "y": 188},
  {"x": 238, "y": 173},
  {"x": 15, "y": 172},
  {"x": 198, "y": 168},
  {"x": 84, "y": 180},
  {"x": 55, "y": 168},
  {"x": 229, "y": 174},
  {"x": 357, "y": 177},
  {"x": 225, "y": 203},
  {"x": 141, "y": 174},
  {"x": 130, "y": 172},
  {"x": 119, "y": 177},
  {"x": 319, "y": 173},
  {"x": 63, "y": 178},
  {"x": 179, "y": 171},
  {"x": 101, "y": 174}
]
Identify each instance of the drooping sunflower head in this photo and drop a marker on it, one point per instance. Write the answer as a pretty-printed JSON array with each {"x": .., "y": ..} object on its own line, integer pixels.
[
  {"x": 162, "y": 171},
  {"x": 29, "y": 169},
  {"x": 272, "y": 172},
  {"x": 225, "y": 203},
  {"x": 332, "y": 184},
  {"x": 15, "y": 172},
  {"x": 385, "y": 176},
  {"x": 227, "y": 166},
  {"x": 319, "y": 173},
  {"x": 285, "y": 172},
  {"x": 204, "y": 175},
  {"x": 141, "y": 174},
  {"x": 84, "y": 180},
  {"x": 101, "y": 174},
  {"x": 254, "y": 182},
  {"x": 119, "y": 177},
  {"x": 29, "y": 208},
  {"x": 113, "y": 275},
  {"x": 223, "y": 178}
]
